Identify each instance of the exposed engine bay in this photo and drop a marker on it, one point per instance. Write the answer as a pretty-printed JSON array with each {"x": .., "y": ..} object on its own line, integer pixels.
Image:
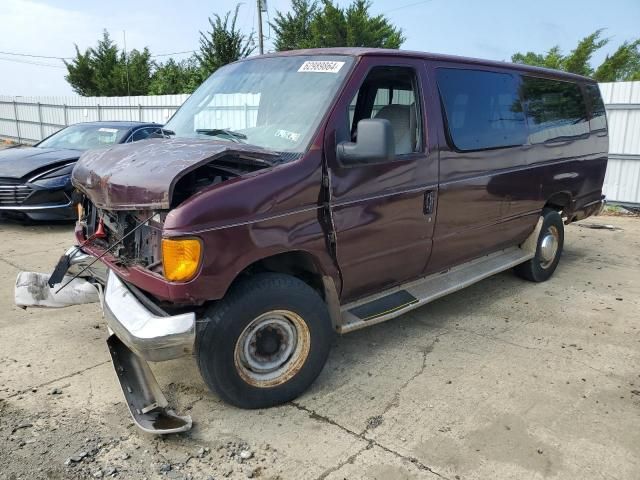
[
  {"x": 210, "y": 174},
  {"x": 114, "y": 229}
]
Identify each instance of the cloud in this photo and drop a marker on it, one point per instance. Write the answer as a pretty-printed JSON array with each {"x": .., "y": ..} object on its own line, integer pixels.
[{"x": 36, "y": 28}]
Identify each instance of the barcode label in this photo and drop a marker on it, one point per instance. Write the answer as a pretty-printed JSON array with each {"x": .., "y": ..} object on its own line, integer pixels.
[{"x": 321, "y": 66}]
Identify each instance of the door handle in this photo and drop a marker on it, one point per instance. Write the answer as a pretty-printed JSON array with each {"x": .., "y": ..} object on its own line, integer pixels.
[{"x": 429, "y": 201}]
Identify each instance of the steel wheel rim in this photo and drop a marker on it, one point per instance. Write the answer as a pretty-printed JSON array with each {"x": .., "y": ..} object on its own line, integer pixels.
[
  {"x": 549, "y": 247},
  {"x": 272, "y": 348}
]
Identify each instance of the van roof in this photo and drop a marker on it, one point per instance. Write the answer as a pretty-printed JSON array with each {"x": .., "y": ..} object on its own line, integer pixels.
[{"x": 367, "y": 52}]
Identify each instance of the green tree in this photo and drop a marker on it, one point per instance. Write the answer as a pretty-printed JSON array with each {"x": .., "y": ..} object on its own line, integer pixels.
[
  {"x": 623, "y": 64},
  {"x": 552, "y": 59},
  {"x": 313, "y": 25},
  {"x": 578, "y": 60},
  {"x": 293, "y": 30},
  {"x": 364, "y": 30},
  {"x": 135, "y": 69},
  {"x": 105, "y": 71},
  {"x": 106, "y": 67},
  {"x": 329, "y": 27},
  {"x": 172, "y": 77},
  {"x": 80, "y": 74},
  {"x": 225, "y": 43}
]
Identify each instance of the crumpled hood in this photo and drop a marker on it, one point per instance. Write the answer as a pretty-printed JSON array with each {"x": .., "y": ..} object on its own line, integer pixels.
[
  {"x": 19, "y": 162},
  {"x": 142, "y": 175}
]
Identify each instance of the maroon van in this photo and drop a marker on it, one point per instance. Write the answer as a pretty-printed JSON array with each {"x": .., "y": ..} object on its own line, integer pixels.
[{"x": 299, "y": 194}]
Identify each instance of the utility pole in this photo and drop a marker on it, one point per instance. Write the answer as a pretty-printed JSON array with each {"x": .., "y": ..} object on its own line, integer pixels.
[
  {"x": 126, "y": 60},
  {"x": 260, "y": 41}
]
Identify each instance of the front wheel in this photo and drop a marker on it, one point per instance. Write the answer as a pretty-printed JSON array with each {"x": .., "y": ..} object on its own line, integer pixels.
[
  {"x": 548, "y": 251},
  {"x": 265, "y": 342}
]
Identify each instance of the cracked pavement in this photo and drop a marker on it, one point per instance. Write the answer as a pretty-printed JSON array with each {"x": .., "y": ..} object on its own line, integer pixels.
[{"x": 505, "y": 379}]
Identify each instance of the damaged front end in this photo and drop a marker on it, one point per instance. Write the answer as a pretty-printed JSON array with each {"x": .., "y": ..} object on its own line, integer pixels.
[{"x": 126, "y": 193}]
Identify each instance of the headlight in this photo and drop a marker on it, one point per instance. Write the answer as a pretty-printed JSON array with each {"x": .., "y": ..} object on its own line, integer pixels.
[
  {"x": 181, "y": 258},
  {"x": 55, "y": 178},
  {"x": 54, "y": 182}
]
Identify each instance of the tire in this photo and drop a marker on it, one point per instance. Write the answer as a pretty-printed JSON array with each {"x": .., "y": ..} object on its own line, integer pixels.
[
  {"x": 544, "y": 263},
  {"x": 266, "y": 320}
]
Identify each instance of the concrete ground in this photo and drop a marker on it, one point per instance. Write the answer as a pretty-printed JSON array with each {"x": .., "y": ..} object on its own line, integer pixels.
[{"x": 506, "y": 379}]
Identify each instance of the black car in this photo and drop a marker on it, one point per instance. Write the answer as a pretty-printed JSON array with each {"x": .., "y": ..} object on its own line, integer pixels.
[{"x": 35, "y": 182}]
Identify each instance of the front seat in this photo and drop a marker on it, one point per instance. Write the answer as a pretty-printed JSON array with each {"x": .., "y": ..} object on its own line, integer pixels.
[{"x": 403, "y": 124}]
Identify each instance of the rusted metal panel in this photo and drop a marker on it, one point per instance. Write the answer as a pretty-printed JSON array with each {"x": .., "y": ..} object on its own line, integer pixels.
[{"x": 142, "y": 175}]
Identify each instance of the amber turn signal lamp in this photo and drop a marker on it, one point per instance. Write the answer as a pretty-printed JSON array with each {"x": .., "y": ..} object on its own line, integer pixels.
[{"x": 180, "y": 258}]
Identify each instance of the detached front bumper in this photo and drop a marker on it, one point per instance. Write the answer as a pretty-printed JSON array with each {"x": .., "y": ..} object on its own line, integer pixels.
[
  {"x": 153, "y": 336},
  {"x": 141, "y": 335},
  {"x": 140, "y": 331}
]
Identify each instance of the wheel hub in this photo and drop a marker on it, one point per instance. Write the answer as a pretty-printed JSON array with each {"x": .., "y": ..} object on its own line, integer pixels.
[
  {"x": 272, "y": 348},
  {"x": 549, "y": 247},
  {"x": 269, "y": 344}
]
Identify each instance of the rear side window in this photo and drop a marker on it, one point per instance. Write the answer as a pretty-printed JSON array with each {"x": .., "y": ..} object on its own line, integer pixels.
[
  {"x": 555, "y": 110},
  {"x": 598, "y": 115},
  {"x": 482, "y": 109}
]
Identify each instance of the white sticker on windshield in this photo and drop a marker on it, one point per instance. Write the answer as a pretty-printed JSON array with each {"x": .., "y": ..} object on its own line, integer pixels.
[
  {"x": 287, "y": 135},
  {"x": 323, "y": 66},
  {"x": 108, "y": 130}
]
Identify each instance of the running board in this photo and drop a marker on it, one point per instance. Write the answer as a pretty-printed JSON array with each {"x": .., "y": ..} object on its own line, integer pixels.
[{"x": 396, "y": 301}]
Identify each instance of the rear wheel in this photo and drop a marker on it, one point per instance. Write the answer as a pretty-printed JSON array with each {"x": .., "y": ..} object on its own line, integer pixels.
[
  {"x": 265, "y": 342},
  {"x": 548, "y": 251}
]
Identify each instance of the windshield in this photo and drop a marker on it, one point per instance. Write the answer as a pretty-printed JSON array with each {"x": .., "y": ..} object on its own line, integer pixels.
[
  {"x": 274, "y": 103},
  {"x": 84, "y": 137}
]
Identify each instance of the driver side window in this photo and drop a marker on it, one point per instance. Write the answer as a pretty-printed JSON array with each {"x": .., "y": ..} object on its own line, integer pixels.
[{"x": 390, "y": 93}]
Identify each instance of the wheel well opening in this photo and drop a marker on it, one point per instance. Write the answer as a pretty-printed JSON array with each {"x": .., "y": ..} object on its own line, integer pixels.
[
  {"x": 303, "y": 266},
  {"x": 559, "y": 202},
  {"x": 297, "y": 264}
]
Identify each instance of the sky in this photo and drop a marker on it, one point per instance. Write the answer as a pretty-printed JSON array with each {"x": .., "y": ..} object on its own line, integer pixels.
[{"x": 491, "y": 29}]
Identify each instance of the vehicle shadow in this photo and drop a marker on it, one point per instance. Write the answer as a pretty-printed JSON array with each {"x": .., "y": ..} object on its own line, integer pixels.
[
  {"x": 446, "y": 311},
  {"x": 17, "y": 223}
]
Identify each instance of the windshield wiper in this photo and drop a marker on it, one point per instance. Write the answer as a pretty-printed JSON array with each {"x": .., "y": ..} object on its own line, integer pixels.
[{"x": 230, "y": 134}]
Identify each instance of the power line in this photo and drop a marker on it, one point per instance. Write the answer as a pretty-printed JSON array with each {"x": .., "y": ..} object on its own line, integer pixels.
[
  {"x": 35, "y": 56},
  {"x": 407, "y": 6},
  {"x": 29, "y": 55},
  {"x": 172, "y": 53},
  {"x": 42, "y": 64}
]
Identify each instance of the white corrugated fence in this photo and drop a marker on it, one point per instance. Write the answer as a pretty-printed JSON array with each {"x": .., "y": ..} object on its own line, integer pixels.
[
  {"x": 622, "y": 182},
  {"x": 30, "y": 119}
]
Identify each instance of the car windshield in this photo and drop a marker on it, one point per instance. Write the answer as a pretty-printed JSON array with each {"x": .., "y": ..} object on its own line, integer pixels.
[
  {"x": 84, "y": 137},
  {"x": 274, "y": 103}
]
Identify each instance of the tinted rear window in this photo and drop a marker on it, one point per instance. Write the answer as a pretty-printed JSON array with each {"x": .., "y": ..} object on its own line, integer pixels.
[
  {"x": 555, "y": 110},
  {"x": 482, "y": 109},
  {"x": 598, "y": 114}
]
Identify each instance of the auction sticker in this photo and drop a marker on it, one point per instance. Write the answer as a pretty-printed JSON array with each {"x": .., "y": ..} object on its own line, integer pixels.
[
  {"x": 322, "y": 66},
  {"x": 287, "y": 135}
]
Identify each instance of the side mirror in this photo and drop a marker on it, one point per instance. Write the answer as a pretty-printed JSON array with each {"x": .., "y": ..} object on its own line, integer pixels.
[{"x": 375, "y": 143}]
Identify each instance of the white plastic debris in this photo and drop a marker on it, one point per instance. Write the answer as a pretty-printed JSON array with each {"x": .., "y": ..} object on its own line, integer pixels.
[{"x": 32, "y": 290}]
